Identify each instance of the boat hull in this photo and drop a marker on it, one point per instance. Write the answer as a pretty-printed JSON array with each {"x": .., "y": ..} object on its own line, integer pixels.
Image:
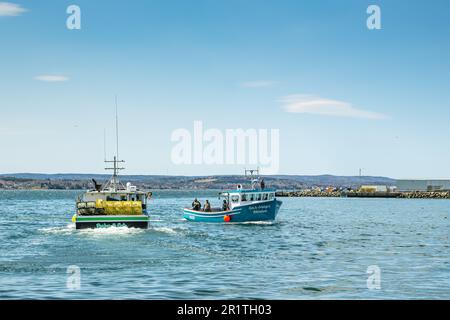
[
  {"x": 264, "y": 211},
  {"x": 94, "y": 222}
]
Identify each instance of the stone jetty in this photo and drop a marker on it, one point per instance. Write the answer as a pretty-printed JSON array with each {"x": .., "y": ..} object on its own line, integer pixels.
[
  {"x": 425, "y": 195},
  {"x": 309, "y": 193},
  {"x": 356, "y": 194}
]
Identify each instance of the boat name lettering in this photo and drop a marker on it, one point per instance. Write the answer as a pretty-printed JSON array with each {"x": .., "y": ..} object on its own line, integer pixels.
[{"x": 107, "y": 225}]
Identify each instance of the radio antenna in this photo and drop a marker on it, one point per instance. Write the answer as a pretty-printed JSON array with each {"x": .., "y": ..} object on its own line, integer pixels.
[
  {"x": 117, "y": 132},
  {"x": 114, "y": 183}
]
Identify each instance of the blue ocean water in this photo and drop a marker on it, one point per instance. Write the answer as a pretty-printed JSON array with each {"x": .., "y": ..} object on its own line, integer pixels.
[{"x": 319, "y": 248}]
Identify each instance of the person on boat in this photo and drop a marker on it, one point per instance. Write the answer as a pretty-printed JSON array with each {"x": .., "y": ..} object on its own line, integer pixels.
[
  {"x": 196, "y": 205},
  {"x": 98, "y": 187},
  {"x": 262, "y": 184},
  {"x": 225, "y": 205},
  {"x": 207, "y": 207}
]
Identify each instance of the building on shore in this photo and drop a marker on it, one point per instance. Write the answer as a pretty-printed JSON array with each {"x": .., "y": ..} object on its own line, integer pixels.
[
  {"x": 423, "y": 185},
  {"x": 377, "y": 188}
]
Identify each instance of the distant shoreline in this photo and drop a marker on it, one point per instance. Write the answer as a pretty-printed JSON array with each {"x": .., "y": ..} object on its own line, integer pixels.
[{"x": 280, "y": 182}]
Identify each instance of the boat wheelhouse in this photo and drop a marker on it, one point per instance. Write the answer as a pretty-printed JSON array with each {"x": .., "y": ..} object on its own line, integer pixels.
[{"x": 240, "y": 205}]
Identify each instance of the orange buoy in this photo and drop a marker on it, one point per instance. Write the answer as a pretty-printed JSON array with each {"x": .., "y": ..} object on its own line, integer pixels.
[{"x": 227, "y": 218}]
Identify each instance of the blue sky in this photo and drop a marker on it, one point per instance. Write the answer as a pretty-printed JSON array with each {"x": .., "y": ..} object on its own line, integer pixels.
[{"x": 231, "y": 64}]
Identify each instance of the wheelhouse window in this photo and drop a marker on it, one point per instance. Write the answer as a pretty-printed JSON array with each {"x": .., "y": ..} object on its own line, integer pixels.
[
  {"x": 258, "y": 197},
  {"x": 244, "y": 197},
  {"x": 235, "y": 198},
  {"x": 252, "y": 197},
  {"x": 271, "y": 195},
  {"x": 265, "y": 196}
]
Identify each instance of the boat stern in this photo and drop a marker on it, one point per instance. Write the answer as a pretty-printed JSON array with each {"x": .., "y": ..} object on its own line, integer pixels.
[{"x": 105, "y": 221}]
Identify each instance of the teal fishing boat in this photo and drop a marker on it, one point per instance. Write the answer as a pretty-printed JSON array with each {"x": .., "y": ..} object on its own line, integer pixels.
[{"x": 240, "y": 205}]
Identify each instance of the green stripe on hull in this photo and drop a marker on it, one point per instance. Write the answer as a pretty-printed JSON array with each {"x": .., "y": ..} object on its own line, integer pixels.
[{"x": 112, "y": 218}]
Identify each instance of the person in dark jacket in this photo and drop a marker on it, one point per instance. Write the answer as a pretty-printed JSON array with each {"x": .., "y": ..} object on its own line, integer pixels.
[
  {"x": 225, "y": 205},
  {"x": 196, "y": 205}
]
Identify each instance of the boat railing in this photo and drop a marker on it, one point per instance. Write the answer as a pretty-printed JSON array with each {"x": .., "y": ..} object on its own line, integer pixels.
[{"x": 213, "y": 210}]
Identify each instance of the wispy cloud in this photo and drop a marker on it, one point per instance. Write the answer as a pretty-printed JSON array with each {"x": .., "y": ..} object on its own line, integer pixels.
[
  {"x": 51, "y": 78},
  {"x": 309, "y": 104},
  {"x": 9, "y": 9},
  {"x": 11, "y": 131},
  {"x": 257, "y": 84}
]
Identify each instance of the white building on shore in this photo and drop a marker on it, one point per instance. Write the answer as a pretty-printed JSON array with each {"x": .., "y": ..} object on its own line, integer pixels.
[{"x": 423, "y": 185}]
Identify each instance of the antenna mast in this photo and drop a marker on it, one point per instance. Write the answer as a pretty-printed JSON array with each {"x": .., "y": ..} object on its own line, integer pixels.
[
  {"x": 114, "y": 183},
  {"x": 117, "y": 132},
  {"x": 254, "y": 176}
]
